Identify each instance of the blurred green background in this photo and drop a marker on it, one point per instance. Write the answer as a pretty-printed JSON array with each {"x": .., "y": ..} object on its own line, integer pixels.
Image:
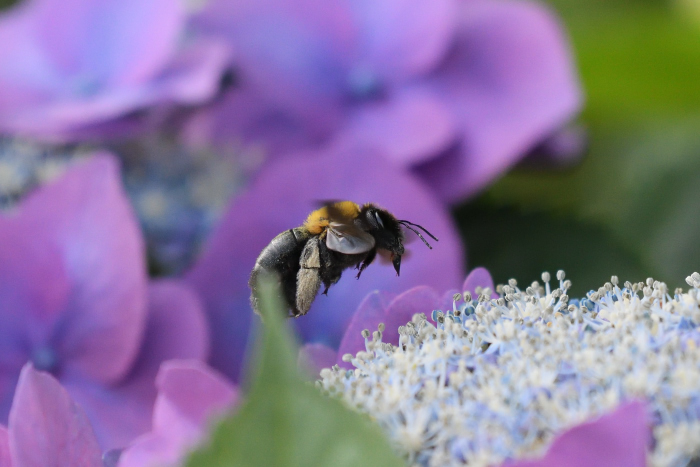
[{"x": 632, "y": 206}]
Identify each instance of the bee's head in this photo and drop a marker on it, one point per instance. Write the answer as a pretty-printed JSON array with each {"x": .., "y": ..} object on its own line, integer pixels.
[{"x": 388, "y": 232}]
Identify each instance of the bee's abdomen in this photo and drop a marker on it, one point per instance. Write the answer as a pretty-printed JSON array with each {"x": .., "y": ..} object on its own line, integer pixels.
[
  {"x": 284, "y": 249},
  {"x": 281, "y": 257}
]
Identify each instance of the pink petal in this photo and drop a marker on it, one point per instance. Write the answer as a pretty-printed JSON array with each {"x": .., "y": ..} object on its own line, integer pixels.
[
  {"x": 619, "y": 439},
  {"x": 110, "y": 41},
  {"x": 23, "y": 83},
  {"x": 118, "y": 415},
  {"x": 295, "y": 52},
  {"x": 376, "y": 309},
  {"x": 89, "y": 255},
  {"x": 5, "y": 459},
  {"x": 510, "y": 82},
  {"x": 8, "y": 383},
  {"x": 404, "y": 38},
  {"x": 194, "y": 75},
  {"x": 67, "y": 81},
  {"x": 315, "y": 357},
  {"x": 478, "y": 277},
  {"x": 47, "y": 429},
  {"x": 368, "y": 315},
  {"x": 177, "y": 328},
  {"x": 190, "y": 394},
  {"x": 409, "y": 127},
  {"x": 245, "y": 118},
  {"x": 92, "y": 225},
  {"x": 419, "y": 299},
  {"x": 34, "y": 289}
]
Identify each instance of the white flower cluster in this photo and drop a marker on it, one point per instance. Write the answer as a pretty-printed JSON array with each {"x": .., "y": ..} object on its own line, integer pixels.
[{"x": 497, "y": 379}]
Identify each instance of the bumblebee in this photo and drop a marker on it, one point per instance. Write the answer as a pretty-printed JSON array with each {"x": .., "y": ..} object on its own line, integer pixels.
[{"x": 333, "y": 238}]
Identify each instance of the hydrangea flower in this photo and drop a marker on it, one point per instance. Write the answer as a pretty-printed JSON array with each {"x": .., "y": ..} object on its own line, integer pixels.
[
  {"x": 456, "y": 90},
  {"x": 489, "y": 380},
  {"x": 190, "y": 395},
  {"x": 69, "y": 67},
  {"x": 75, "y": 301},
  {"x": 279, "y": 199}
]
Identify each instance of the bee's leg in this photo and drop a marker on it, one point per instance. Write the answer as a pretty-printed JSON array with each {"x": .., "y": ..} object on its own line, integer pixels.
[
  {"x": 308, "y": 277},
  {"x": 331, "y": 270},
  {"x": 371, "y": 254},
  {"x": 327, "y": 286}
]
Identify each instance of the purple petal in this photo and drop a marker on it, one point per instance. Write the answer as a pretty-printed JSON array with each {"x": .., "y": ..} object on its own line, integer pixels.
[
  {"x": 370, "y": 312},
  {"x": 93, "y": 226},
  {"x": 409, "y": 127},
  {"x": 190, "y": 394},
  {"x": 617, "y": 439},
  {"x": 295, "y": 52},
  {"x": 194, "y": 75},
  {"x": 404, "y": 38},
  {"x": 34, "y": 291},
  {"x": 8, "y": 383},
  {"x": 176, "y": 328},
  {"x": 93, "y": 316},
  {"x": 281, "y": 198},
  {"x": 78, "y": 64},
  {"x": 315, "y": 357},
  {"x": 246, "y": 117},
  {"x": 136, "y": 37},
  {"x": 47, "y": 429},
  {"x": 510, "y": 82},
  {"x": 478, "y": 277},
  {"x": 374, "y": 310},
  {"x": 118, "y": 415},
  {"x": 5, "y": 459}
]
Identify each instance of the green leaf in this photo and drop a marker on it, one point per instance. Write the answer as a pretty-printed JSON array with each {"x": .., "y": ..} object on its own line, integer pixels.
[{"x": 286, "y": 421}]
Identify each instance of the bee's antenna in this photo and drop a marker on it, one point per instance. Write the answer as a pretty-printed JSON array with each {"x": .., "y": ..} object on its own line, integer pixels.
[
  {"x": 417, "y": 233},
  {"x": 405, "y": 223}
]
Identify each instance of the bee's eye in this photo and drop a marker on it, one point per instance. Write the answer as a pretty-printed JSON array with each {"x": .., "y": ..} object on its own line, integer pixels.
[{"x": 379, "y": 219}]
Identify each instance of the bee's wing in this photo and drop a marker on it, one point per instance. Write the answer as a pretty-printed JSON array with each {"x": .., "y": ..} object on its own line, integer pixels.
[{"x": 348, "y": 239}]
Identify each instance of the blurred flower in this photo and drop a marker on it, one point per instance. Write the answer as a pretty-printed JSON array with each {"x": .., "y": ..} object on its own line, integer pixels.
[
  {"x": 75, "y": 301},
  {"x": 71, "y": 66},
  {"x": 25, "y": 165},
  {"x": 279, "y": 199},
  {"x": 494, "y": 379},
  {"x": 190, "y": 396},
  {"x": 457, "y": 90},
  {"x": 46, "y": 428},
  {"x": 179, "y": 195}
]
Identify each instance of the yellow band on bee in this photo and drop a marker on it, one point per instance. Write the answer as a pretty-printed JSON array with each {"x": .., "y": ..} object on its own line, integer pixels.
[{"x": 318, "y": 220}]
